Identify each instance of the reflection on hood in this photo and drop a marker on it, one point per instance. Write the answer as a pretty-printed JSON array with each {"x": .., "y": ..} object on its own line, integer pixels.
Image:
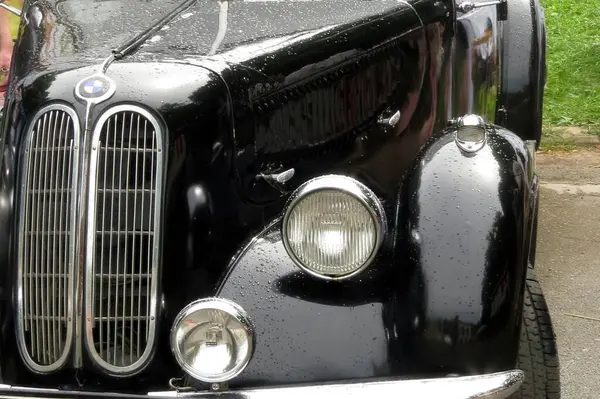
[{"x": 87, "y": 30}]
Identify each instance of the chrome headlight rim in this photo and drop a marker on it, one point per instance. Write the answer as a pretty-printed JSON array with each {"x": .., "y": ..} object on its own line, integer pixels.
[
  {"x": 224, "y": 305},
  {"x": 346, "y": 185}
]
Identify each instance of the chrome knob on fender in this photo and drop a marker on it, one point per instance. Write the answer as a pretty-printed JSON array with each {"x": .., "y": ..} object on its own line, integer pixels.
[{"x": 470, "y": 133}]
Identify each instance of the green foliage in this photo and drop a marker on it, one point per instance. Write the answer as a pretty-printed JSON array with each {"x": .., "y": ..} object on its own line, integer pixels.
[
  {"x": 572, "y": 95},
  {"x": 14, "y": 25},
  {"x": 13, "y": 20}
]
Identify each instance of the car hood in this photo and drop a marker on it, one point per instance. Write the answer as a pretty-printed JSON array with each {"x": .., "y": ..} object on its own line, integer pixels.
[{"x": 60, "y": 33}]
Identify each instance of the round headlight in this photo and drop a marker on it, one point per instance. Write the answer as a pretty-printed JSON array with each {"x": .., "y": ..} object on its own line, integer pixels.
[
  {"x": 333, "y": 227},
  {"x": 212, "y": 339}
]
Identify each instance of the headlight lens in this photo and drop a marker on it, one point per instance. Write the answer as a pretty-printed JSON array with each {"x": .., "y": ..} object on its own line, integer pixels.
[
  {"x": 333, "y": 227},
  {"x": 212, "y": 339}
]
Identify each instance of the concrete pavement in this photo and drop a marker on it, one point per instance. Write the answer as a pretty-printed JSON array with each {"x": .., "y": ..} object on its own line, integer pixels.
[{"x": 568, "y": 264}]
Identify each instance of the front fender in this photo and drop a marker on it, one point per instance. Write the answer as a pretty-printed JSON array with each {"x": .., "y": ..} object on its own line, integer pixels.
[
  {"x": 445, "y": 299},
  {"x": 465, "y": 236},
  {"x": 307, "y": 330}
]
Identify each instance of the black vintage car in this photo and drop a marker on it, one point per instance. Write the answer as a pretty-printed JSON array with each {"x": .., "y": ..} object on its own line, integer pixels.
[{"x": 267, "y": 199}]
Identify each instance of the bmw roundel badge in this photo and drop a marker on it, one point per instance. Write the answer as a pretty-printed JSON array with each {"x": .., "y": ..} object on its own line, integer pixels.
[{"x": 96, "y": 88}]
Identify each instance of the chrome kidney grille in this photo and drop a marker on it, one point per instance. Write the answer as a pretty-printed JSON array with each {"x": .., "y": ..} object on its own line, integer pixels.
[
  {"x": 118, "y": 276},
  {"x": 123, "y": 238},
  {"x": 46, "y": 238}
]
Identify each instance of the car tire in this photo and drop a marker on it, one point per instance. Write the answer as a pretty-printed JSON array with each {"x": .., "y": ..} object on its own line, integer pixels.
[{"x": 538, "y": 356}]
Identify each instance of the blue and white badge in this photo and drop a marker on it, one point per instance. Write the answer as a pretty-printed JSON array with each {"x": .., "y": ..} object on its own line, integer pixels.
[
  {"x": 94, "y": 86},
  {"x": 95, "y": 89}
]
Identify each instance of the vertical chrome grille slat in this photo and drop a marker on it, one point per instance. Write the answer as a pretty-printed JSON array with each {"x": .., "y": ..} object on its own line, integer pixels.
[
  {"x": 45, "y": 253},
  {"x": 36, "y": 348},
  {"x": 68, "y": 280},
  {"x": 103, "y": 218},
  {"x": 139, "y": 276},
  {"x": 112, "y": 218},
  {"x": 117, "y": 297},
  {"x": 123, "y": 329},
  {"x": 122, "y": 261},
  {"x": 142, "y": 217},
  {"x": 150, "y": 216},
  {"x": 52, "y": 297},
  {"x": 132, "y": 249},
  {"x": 58, "y": 197},
  {"x": 46, "y": 239},
  {"x": 42, "y": 185},
  {"x": 27, "y": 301}
]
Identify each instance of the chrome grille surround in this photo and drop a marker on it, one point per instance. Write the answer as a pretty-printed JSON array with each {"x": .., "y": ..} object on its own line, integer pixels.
[
  {"x": 46, "y": 235},
  {"x": 122, "y": 255}
]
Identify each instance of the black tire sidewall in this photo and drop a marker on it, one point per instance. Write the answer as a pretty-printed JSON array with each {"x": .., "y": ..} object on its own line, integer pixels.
[{"x": 538, "y": 355}]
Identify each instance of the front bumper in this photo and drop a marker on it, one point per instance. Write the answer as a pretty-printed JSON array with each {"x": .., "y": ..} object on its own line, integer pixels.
[{"x": 488, "y": 386}]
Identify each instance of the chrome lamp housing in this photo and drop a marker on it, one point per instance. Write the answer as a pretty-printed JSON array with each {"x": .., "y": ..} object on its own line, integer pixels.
[
  {"x": 212, "y": 340},
  {"x": 333, "y": 227}
]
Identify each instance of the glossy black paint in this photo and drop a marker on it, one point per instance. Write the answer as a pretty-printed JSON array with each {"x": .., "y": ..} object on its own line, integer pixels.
[
  {"x": 476, "y": 65},
  {"x": 349, "y": 72},
  {"x": 300, "y": 85},
  {"x": 448, "y": 300},
  {"x": 523, "y": 70},
  {"x": 307, "y": 329},
  {"x": 466, "y": 235}
]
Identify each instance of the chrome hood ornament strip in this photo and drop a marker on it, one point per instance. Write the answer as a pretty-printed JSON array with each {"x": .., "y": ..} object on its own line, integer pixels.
[{"x": 91, "y": 90}]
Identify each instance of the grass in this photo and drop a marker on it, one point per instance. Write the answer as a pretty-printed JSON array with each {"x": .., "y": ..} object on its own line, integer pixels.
[
  {"x": 14, "y": 26},
  {"x": 572, "y": 95},
  {"x": 14, "y": 21}
]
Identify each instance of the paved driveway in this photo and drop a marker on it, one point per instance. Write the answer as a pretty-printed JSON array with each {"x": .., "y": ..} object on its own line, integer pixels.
[{"x": 568, "y": 264}]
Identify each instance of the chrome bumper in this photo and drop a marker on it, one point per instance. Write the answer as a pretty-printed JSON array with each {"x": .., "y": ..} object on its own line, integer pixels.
[{"x": 488, "y": 386}]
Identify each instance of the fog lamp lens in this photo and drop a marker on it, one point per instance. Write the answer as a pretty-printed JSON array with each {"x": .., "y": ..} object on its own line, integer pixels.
[
  {"x": 212, "y": 339},
  {"x": 333, "y": 227}
]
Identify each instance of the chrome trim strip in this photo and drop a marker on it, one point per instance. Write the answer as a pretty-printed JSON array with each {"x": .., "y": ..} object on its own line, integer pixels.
[
  {"x": 351, "y": 187},
  {"x": 23, "y": 214},
  {"x": 499, "y": 72},
  {"x": 412, "y": 8},
  {"x": 80, "y": 245},
  {"x": 468, "y": 6},
  {"x": 531, "y": 153},
  {"x": 8, "y": 8},
  {"x": 157, "y": 182},
  {"x": 485, "y": 386}
]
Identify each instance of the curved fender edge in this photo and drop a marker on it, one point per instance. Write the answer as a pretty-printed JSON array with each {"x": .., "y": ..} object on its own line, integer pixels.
[
  {"x": 524, "y": 69},
  {"x": 465, "y": 232}
]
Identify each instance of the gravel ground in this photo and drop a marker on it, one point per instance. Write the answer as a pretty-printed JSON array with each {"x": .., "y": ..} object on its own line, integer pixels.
[{"x": 568, "y": 264}]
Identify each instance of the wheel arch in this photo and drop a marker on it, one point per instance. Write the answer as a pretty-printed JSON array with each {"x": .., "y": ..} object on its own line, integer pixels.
[
  {"x": 466, "y": 228},
  {"x": 523, "y": 55}
]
